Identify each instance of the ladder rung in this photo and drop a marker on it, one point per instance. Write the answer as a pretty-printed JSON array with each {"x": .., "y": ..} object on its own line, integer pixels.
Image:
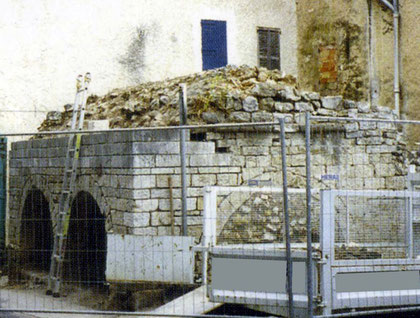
[{"x": 58, "y": 258}]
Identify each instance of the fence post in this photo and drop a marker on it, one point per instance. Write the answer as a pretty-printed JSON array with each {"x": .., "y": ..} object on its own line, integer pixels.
[
  {"x": 182, "y": 122},
  {"x": 289, "y": 268},
  {"x": 309, "y": 266},
  {"x": 3, "y": 169},
  {"x": 327, "y": 248}
]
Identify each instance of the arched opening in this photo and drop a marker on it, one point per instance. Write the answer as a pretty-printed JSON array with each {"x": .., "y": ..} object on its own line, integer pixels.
[
  {"x": 36, "y": 234},
  {"x": 86, "y": 245}
]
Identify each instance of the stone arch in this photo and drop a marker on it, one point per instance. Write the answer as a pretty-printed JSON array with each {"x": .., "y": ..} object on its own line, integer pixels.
[
  {"x": 36, "y": 237},
  {"x": 87, "y": 183},
  {"x": 86, "y": 242}
]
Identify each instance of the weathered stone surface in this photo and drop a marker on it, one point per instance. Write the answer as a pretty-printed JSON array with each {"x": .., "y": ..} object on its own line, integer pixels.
[
  {"x": 262, "y": 117},
  {"x": 326, "y": 112},
  {"x": 331, "y": 102},
  {"x": 288, "y": 118},
  {"x": 233, "y": 103},
  {"x": 304, "y": 107},
  {"x": 250, "y": 104},
  {"x": 54, "y": 116},
  {"x": 240, "y": 117},
  {"x": 266, "y": 89},
  {"x": 283, "y": 107},
  {"x": 363, "y": 107},
  {"x": 267, "y": 104},
  {"x": 212, "y": 118},
  {"x": 349, "y": 104},
  {"x": 288, "y": 94},
  {"x": 311, "y": 96}
]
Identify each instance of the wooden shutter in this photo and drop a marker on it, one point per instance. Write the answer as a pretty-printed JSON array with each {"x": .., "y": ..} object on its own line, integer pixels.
[{"x": 269, "y": 48}]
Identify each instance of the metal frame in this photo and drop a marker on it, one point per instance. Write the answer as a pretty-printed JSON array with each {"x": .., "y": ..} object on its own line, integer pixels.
[
  {"x": 326, "y": 268},
  {"x": 332, "y": 299},
  {"x": 262, "y": 251}
]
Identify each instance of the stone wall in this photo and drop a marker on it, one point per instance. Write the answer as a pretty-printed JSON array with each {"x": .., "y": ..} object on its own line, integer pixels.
[{"x": 127, "y": 173}]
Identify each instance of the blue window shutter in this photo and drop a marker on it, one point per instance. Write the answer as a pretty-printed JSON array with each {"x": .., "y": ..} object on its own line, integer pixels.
[{"x": 213, "y": 44}]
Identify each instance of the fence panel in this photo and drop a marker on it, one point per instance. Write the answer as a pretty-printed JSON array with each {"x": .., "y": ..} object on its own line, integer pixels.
[
  {"x": 125, "y": 250},
  {"x": 366, "y": 170}
]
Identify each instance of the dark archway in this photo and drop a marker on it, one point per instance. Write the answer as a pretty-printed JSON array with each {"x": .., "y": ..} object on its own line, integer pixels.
[
  {"x": 36, "y": 234},
  {"x": 86, "y": 245}
]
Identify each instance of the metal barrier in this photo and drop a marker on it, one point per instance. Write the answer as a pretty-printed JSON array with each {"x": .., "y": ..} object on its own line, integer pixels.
[{"x": 125, "y": 250}]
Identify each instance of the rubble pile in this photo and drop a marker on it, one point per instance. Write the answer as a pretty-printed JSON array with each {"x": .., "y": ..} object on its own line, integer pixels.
[{"x": 214, "y": 96}]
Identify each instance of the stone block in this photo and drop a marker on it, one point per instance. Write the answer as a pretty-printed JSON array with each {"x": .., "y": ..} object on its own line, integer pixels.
[
  {"x": 168, "y": 161},
  {"x": 349, "y": 104},
  {"x": 363, "y": 107},
  {"x": 311, "y": 96},
  {"x": 331, "y": 102},
  {"x": 166, "y": 230},
  {"x": 267, "y": 104},
  {"x": 164, "y": 205},
  {"x": 165, "y": 193},
  {"x": 385, "y": 170},
  {"x": 145, "y": 205},
  {"x": 360, "y": 159},
  {"x": 227, "y": 180},
  {"x": 216, "y": 160},
  {"x": 253, "y": 173},
  {"x": 265, "y": 89},
  {"x": 369, "y": 141},
  {"x": 351, "y": 127},
  {"x": 262, "y": 117},
  {"x": 304, "y": 107},
  {"x": 202, "y": 180},
  {"x": 365, "y": 125},
  {"x": 288, "y": 119},
  {"x": 161, "y": 218},
  {"x": 381, "y": 149},
  {"x": 162, "y": 181},
  {"x": 283, "y": 107},
  {"x": 288, "y": 94},
  {"x": 353, "y": 183},
  {"x": 139, "y": 219},
  {"x": 396, "y": 183},
  {"x": 296, "y": 160},
  {"x": 374, "y": 183},
  {"x": 144, "y": 181},
  {"x": 326, "y": 112},
  {"x": 175, "y": 170},
  {"x": 250, "y": 104},
  {"x": 140, "y": 161},
  {"x": 256, "y": 151},
  {"x": 240, "y": 117},
  {"x": 145, "y": 231}
]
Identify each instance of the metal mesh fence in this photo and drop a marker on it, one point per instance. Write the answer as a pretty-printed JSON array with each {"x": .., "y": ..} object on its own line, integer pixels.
[
  {"x": 366, "y": 169},
  {"x": 135, "y": 217},
  {"x": 159, "y": 229}
]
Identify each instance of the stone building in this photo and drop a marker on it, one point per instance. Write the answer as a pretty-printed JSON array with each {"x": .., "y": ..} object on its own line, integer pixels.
[
  {"x": 126, "y": 42},
  {"x": 129, "y": 182}
]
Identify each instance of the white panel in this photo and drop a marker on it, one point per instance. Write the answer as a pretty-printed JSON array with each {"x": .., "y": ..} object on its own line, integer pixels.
[{"x": 133, "y": 258}]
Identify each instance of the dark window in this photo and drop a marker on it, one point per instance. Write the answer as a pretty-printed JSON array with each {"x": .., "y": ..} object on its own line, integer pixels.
[{"x": 269, "y": 48}]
